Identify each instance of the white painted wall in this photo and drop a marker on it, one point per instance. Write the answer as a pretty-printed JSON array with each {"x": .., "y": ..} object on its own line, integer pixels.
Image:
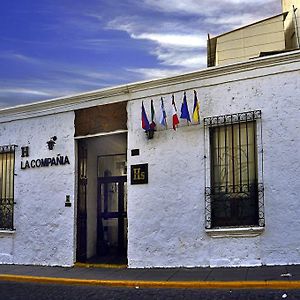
[
  {"x": 44, "y": 226},
  {"x": 166, "y": 217}
]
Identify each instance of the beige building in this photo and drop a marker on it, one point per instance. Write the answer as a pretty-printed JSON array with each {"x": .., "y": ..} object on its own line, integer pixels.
[{"x": 276, "y": 34}]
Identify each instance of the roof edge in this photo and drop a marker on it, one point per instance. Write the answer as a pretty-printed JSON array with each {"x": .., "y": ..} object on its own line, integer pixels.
[
  {"x": 284, "y": 14},
  {"x": 69, "y": 102}
]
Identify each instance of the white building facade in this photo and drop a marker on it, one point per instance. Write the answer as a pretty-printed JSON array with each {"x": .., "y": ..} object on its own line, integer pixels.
[{"x": 224, "y": 192}]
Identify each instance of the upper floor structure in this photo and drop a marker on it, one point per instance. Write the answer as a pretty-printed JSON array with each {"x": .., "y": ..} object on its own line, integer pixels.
[{"x": 276, "y": 34}]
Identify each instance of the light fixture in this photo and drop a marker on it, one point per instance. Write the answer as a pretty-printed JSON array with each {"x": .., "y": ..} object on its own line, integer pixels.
[
  {"x": 51, "y": 142},
  {"x": 150, "y": 133}
]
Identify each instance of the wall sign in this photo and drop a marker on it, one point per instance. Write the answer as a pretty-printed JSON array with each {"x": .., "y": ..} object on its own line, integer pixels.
[
  {"x": 42, "y": 162},
  {"x": 45, "y": 162},
  {"x": 139, "y": 174},
  {"x": 135, "y": 152},
  {"x": 25, "y": 151}
]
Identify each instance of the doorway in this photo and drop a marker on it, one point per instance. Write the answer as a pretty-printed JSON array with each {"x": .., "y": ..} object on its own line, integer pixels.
[{"x": 102, "y": 199}]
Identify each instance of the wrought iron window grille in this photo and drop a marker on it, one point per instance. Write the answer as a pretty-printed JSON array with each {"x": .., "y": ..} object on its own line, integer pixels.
[
  {"x": 234, "y": 196},
  {"x": 223, "y": 200},
  {"x": 7, "y": 168},
  {"x": 8, "y": 148},
  {"x": 232, "y": 119}
]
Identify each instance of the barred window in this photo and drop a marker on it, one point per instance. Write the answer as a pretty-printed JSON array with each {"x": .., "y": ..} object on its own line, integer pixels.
[
  {"x": 7, "y": 167},
  {"x": 234, "y": 196}
]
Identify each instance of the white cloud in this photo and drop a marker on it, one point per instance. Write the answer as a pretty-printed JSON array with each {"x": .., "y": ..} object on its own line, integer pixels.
[
  {"x": 175, "y": 63},
  {"x": 178, "y": 40},
  {"x": 200, "y": 7},
  {"x": 235, "y": 20},
  {"x": 152, "y": 73},
  {"x": 178, "y": 6},
  {"x": 178, "y": 44},
  {"x": 177, "y": 50},
  {"x": 19, "y": 57},
  {"x": 128, "y": 24},
  {"x": 176, "y": 57},
  {"x": 253, "y": 2},
  {"x": 18, "y": 90}
]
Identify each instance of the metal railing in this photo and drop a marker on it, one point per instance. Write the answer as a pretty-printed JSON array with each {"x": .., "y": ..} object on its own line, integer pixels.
[
  {"x": 232, "y": 118},
  {"x": 7, "y": 214},
  {"x": 241, "y": 205}
]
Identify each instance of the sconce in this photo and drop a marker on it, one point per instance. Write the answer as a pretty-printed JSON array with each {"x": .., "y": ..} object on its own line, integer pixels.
[
  {"x": 51, "y": 142},
  {"x": 150, "y": 133}
]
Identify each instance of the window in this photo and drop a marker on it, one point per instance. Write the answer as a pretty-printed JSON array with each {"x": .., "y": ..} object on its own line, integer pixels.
[
  {"x": 7, "y": 166},
  {"x": 234, "y": 195}
]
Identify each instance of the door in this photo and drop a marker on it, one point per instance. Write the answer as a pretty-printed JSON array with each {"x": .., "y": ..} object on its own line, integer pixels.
[
  {"x": 112, "y": 216},
  {"x": 81, "y": 249}
]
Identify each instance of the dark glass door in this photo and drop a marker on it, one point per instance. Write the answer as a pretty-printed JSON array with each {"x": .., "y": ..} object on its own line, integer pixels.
[{"x": 112, "y": 216}]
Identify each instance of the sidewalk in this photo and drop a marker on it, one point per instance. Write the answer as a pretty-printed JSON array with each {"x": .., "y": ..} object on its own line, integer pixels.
[{"x": 277, "y": 277}]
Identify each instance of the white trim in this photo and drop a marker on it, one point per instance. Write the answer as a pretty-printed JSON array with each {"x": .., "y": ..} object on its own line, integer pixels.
[
  {"x": 7, "y": 232},
  {"x": 100, "y": 134},
  {"x": 235, "y": 232}
]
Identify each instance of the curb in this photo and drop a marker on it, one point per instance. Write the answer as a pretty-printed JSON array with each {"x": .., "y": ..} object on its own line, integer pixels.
[{"x": 157, "y": 284}]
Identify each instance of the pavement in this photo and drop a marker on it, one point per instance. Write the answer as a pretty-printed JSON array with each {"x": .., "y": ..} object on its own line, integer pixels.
[{"x": 270, "y": 277}]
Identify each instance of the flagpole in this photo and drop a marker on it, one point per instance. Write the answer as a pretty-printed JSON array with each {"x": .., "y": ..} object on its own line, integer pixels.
[
  {"x": 164, "y": 115},
  {"x": 198, "y": 108}
]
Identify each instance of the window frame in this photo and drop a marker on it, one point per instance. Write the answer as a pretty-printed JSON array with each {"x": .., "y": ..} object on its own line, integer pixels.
[
  {"x": 225, "y": 120},
  {"x": 7, "y": 198}
]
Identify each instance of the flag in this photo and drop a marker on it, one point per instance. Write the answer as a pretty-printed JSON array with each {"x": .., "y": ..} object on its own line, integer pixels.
[
  {"x": 145, "y": 122},
  {"x": 196, "y": 115},
  {"x": 163, "y": 120},
  {"x": 185, "y": 110},
  {"x": 175, "y": 117},
  {"x": 152, "y": 124}
]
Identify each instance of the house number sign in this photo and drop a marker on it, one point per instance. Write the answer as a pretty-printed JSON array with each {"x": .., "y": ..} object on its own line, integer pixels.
[{"x": 139, "y": 174}]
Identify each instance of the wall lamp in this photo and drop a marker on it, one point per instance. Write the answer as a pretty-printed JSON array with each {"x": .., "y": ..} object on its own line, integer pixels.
[
  {"x": 150, "y": 133},
  {"x": 51, "y": 142}
]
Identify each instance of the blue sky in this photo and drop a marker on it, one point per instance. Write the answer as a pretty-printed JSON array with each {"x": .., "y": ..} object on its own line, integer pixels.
[{"x": 53, "y": 48}]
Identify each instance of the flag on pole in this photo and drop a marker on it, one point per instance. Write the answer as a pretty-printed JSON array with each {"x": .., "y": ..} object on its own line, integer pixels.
[
  {"x": 163, "y": 120},
  {"x": 153, "y": 121},
  {"x": 145, "y": 122},
  {"x": 175, "y": 117},
  {"x": 185, "y": 110},
  {"x": 196, "y": 114}
]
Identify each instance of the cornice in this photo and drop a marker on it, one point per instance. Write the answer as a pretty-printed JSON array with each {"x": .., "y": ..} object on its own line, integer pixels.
[{"x": 127, "y": 92}]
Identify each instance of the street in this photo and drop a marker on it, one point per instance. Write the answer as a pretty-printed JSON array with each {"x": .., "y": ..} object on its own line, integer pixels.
[{"x": 32, "y": 291}]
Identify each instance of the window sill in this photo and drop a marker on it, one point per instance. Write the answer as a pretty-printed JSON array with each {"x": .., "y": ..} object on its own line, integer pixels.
[
  {"x": 235, "y": 232},
  {"x": 8, "y": 232}
]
